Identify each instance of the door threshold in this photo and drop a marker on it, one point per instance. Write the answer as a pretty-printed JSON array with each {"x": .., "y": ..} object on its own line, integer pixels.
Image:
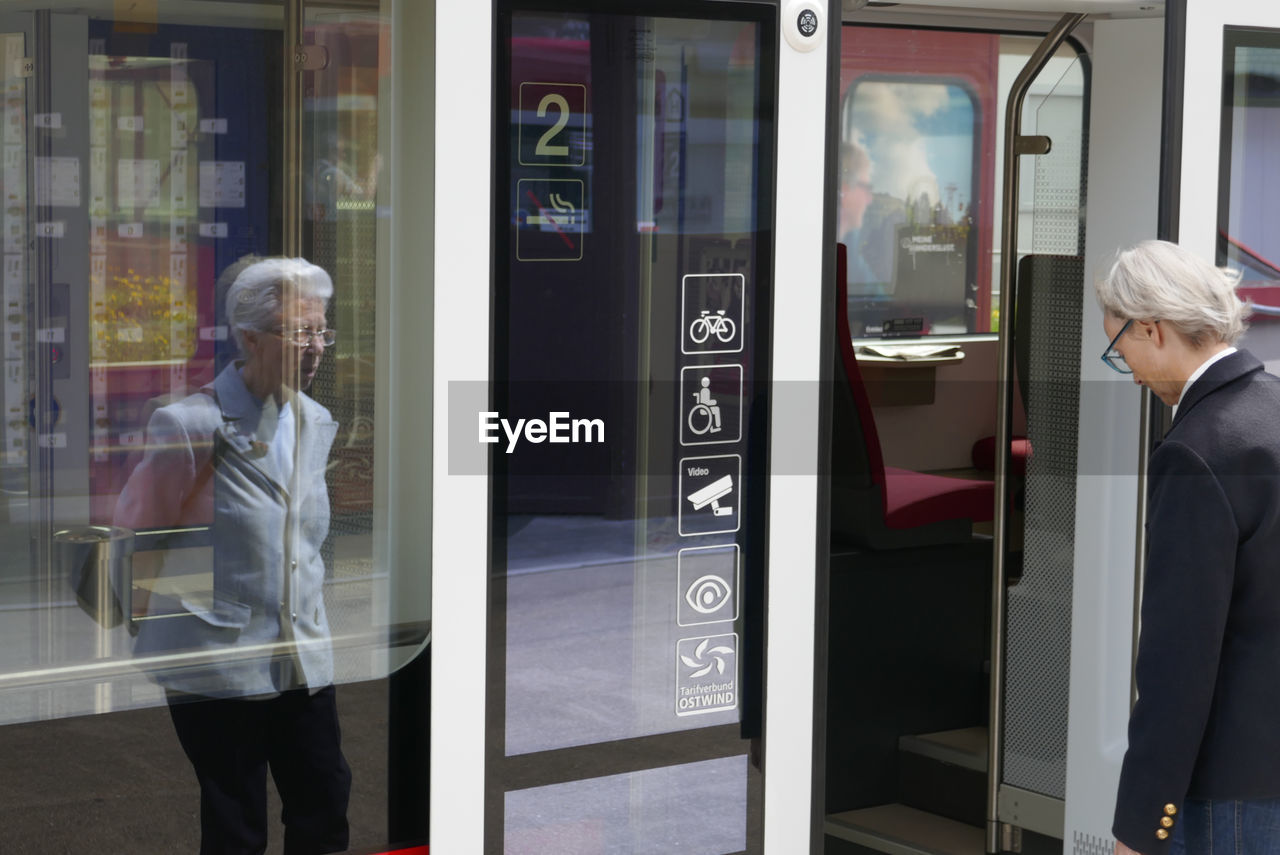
[{"x": 900, "y": 830}]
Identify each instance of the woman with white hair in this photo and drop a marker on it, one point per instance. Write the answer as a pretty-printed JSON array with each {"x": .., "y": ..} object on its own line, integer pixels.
[
  {"x": 245, "y": 457},
  {"x": 1202, "y": 769}
]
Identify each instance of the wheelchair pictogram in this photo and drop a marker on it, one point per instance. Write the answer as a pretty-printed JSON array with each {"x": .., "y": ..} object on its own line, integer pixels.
[
  {"x": 705, "y": 415},
  {"x": 711, "y": 408}
]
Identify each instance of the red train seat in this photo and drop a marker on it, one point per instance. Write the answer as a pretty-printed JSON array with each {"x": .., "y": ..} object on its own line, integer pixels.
[
  {"x": 878, "y": 506},
  {"x": 983, "y": 454}
]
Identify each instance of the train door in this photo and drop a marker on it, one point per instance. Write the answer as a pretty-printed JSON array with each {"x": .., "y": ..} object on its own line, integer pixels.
[
  {"x": 1037, "y": 713},
  {"x": 629, "y": 281},
  {"x": 950, "y": 631},
  {"x": 149, "y": 148}
]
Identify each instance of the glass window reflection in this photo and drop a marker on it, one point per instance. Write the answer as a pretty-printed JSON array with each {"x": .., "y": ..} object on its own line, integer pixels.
[
  {"x": 1248, "y": 215},
  {"x": 907, "y": 191},
  {"x": 135, "y": 182},
  {"x": 190, "y": 483}
]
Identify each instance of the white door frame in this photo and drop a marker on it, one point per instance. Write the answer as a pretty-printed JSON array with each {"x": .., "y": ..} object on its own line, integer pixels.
[{"x": 463, "y": 211}]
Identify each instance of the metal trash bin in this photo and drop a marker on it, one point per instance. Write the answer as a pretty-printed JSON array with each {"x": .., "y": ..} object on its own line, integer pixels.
[{"x": 97, "y": 562}]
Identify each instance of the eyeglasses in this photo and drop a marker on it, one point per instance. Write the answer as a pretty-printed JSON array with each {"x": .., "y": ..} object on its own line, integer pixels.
[
  {"x": 1113, "y": 358},
  {"x": 303, "y": 336}
]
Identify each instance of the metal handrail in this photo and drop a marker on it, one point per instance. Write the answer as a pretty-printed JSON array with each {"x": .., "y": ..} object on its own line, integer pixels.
[
  {"x": 409, "y": 634},
  {"x": 1015, "y": 144},
  {"x": 294, "y": 13},
  {"x": 1140, "y": 540}
]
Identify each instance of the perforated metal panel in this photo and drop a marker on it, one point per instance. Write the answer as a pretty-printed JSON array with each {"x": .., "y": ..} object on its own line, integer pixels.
[
  {"x": 1038, "y": 641},
  {"x": 1047, "y": 335},
  {"x": 1057, "y": 215},
  {"x": 1057, "y": 225}
]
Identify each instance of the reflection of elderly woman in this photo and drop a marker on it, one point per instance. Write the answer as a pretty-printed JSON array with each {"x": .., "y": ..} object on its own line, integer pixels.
[
  {"x": 1202, "y": 771},
  {"x": 855, "y": 197},
  {"x": 246, "y": 455}
]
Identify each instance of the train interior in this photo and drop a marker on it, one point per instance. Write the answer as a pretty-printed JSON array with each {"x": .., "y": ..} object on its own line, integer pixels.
[
  {"x": 922, "y": 113},
  {"x": 923, "y": 99}
]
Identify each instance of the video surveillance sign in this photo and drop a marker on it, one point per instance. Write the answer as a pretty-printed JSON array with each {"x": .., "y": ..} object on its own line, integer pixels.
[{"x": 710, "y": 495}]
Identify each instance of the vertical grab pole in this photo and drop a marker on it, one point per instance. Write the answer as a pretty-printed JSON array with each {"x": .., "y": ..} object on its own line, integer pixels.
[
  {"x": 1146, "y": 425},
  {"x": 291, "y": 198},
  {"x": 42, "y": 484},
  {"x": 1015, "y": 145}
]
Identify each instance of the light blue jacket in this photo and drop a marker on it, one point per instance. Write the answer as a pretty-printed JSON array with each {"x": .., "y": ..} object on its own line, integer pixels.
[{"x": 267, "y": 528}]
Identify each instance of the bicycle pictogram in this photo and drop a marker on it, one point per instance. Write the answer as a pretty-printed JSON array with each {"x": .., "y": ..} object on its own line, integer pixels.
[
  {"x": 706, "y": 325},
  {"x": 711, "y": 316}
]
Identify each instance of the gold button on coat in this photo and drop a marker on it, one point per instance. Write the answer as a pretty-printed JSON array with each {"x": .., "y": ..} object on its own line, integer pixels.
[
  {"x": 1162, "y": 834},
  {"x": 1166, "y": 821},
  {"x": 1171, "y": 810}
]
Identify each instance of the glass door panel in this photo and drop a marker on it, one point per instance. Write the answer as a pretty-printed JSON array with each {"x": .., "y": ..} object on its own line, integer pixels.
[
  {"x": 1049, "y": 298},
  {"x": 628, "y": 429},
  {"x": 119, "y": 222},
  {"x": 152, "y": 562},
  {"x": 1247, "y": 213},
  {"x": 1224, "y": 62},
  {"x": 137, "y": 177}
]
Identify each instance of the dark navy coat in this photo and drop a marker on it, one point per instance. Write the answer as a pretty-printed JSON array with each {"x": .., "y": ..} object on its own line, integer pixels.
[{"x": 1207, "y": 721}]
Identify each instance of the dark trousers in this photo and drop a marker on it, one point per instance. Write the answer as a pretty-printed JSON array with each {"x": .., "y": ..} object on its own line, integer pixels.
[
  {"x": 1227, "y": 827},
  {"x": 232, "y": 742}
]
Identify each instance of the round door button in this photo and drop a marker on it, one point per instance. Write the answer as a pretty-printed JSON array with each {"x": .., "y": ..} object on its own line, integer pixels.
[{"x": 807, "y": 23}]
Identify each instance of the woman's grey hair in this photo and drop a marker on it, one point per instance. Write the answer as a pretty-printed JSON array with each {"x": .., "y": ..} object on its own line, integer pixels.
[
  {"x": 854, "y": 158},
  {"x": 1160, "y": 281},
  {"x": 258, "y": 285}
]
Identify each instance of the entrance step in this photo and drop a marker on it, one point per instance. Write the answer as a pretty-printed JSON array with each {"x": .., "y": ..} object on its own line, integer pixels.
[
  {"x": 966, "y": 747},
  {"x": 945, "y": 773},
  {"x": 900, "y": 830}
]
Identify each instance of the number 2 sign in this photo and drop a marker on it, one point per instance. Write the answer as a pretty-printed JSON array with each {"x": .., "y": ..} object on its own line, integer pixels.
[{"x": 553, "y": 124}]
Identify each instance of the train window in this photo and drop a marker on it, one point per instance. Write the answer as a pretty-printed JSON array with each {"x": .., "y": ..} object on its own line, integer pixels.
[
  {"x": 919, "y": 181},
  {"x": 908, "y": 182},
  {"x": 1248, "y": 213}
]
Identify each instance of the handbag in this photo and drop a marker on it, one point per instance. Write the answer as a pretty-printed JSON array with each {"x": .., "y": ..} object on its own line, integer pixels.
[{"x": 98, "y": 561}]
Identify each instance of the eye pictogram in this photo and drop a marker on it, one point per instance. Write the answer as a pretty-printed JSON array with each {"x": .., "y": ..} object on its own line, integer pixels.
[
  {"x": 707, "y": 594},
  {"x": 702, "y": 666}
]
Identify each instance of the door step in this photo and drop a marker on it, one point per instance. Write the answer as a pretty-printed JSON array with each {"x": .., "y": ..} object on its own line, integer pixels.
[
  {"x": 900, "y": 830},
  {"x": 966, "y": 747}
]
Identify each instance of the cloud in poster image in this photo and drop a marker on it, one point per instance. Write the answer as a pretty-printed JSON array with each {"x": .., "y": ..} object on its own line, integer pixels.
[{"x": 887, "y": 118}]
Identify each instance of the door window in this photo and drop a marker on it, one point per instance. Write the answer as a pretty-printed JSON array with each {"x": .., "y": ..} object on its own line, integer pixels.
[
  {"x": 627, "y": 429},
  {"x": 1248, "y": 214}
]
